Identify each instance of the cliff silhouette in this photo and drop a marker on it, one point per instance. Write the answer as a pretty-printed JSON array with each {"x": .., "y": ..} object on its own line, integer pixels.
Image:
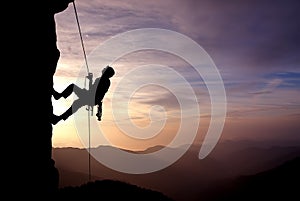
[{"x": 32, "y": 55}]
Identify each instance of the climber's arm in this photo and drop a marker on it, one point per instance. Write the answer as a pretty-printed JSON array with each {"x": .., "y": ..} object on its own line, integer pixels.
[{"x": 99, "y": 111}]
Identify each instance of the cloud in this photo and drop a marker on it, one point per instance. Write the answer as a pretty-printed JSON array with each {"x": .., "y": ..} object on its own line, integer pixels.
[
  {"x": 250, "y": 35},
  {"x": 247, "y": 40},
  {"x": 254, "y": 44},
  {"x": 269, "y": 88}
]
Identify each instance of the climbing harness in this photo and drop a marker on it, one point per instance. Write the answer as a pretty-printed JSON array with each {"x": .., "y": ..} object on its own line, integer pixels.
[{"x": 90, "y": 106}]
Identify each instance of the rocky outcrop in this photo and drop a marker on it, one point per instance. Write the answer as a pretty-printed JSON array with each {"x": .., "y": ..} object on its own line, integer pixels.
[{"x": 32, "y": 56}]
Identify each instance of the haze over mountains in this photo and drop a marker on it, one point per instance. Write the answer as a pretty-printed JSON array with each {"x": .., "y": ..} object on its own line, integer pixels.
[{"x": 188, "y": 178}]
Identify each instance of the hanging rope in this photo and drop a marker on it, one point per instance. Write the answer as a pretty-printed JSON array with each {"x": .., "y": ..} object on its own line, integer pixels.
[
  {"x": 79, "y": 30},
  {"x": 90, "y": 77}
]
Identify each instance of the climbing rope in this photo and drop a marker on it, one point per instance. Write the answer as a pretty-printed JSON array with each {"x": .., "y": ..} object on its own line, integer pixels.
[
  {"x": 90, "y": 77},
  {"x": 79, "y": 30}
]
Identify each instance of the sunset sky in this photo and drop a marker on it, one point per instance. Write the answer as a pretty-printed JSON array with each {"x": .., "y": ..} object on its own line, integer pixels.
[{"x": 254, "y": 44}]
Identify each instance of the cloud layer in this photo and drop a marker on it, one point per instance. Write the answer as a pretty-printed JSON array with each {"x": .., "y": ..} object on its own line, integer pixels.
[{"x": 255, "y": 45}]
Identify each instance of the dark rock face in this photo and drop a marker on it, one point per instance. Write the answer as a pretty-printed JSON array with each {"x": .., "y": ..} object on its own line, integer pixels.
[{"x": 32, "y": 56}]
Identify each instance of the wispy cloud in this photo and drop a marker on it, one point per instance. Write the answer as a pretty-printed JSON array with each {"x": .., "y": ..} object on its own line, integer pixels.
[{"x": 269, "y": 88}]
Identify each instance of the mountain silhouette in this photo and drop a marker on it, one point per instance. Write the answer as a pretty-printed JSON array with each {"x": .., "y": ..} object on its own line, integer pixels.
[
  {"x": 109, "y": 190},
  {"x": 278, "y": 183},
  {"x": 188, "y": 178}
]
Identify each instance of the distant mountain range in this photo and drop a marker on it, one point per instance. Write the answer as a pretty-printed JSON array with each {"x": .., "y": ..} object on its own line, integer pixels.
[
  {"x": 188, "y": 178},
  {"x": 278, "y": 183}
]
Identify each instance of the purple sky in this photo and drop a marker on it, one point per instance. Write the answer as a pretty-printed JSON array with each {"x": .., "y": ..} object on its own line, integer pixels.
[{"x": 254, "y": 44}]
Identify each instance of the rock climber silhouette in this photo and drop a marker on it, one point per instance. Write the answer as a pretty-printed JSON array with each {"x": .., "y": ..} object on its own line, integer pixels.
[{"x": 91, "y": 97}]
